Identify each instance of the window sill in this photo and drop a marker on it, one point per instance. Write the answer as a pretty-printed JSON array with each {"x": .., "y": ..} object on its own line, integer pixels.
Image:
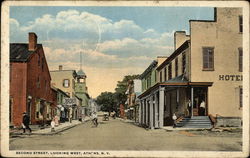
[{"x": 207, "y": 69}]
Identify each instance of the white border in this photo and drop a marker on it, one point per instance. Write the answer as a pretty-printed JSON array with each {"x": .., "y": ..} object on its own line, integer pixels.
[{"x": 5, "y": 74}]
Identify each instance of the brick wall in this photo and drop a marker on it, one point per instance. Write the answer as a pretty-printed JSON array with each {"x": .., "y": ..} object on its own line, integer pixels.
[
  {"x": 18, "y": 84},
  {"x": 38, "y": 70}
]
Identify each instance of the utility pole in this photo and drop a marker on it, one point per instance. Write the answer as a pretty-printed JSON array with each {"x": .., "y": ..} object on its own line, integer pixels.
[{"x": 80, "y": 60}]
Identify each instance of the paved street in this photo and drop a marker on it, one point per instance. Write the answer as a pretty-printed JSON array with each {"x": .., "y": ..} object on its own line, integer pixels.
[{"x": 119, "y": 135}]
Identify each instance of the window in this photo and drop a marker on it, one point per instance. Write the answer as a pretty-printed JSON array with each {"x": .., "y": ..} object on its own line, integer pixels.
[
  {"x": 149, "y": 81},
  {"x": 73, "y": 83},
  {"x": 42, "y": 63},
  {"x": 176, "y": 67},
  {"x": 240, "y": 59},
  {"x": 183, "y": 62},
  {"x": 165, "y": 74},
  {"x": 170, "y": 71},
  {"x": 161, "y": 76},
  {"x": 38, "y": 82},
  {"x": 208, "y": 58},
  {"x": 240, "y": 24},
  {"x": 10, "y": 71},
  {"x": 66, "y": 83},
  {"x": 38, "y": 59},
  {"x": 241, "y": 96}
]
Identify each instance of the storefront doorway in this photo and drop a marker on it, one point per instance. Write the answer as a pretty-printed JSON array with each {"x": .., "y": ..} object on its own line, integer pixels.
[{"x": 200, "y": 101}]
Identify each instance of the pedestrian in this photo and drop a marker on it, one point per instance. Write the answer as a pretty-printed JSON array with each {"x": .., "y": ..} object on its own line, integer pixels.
[
  {"x": 174, "y": 119},
  {"x": 26, "y": 121},
  {"x": 202, "y": 108},
  {"x": 94, "y": 118},
  {"x": 189, "y": 107},
  {"x": 53, "y": 125},
  {"x": 56, "y": 121}
]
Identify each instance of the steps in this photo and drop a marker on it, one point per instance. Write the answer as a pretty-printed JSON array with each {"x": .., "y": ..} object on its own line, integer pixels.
[{"x": 195, "y": 122}]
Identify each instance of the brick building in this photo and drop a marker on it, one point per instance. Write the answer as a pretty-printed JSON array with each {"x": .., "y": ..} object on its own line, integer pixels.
[{"x": 30, "y": 89}]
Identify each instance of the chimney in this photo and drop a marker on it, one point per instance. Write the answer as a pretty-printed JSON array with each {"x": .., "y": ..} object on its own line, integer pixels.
[
  {"x": 60, "y": 67},
  {"x": 179, "y": 38},
  {"x": 32, "y": 41}
]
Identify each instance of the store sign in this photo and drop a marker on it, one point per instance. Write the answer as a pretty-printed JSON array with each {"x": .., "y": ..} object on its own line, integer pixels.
[
  {"x": 69, "y": 101},
  {"x": 230, "y": 77}
]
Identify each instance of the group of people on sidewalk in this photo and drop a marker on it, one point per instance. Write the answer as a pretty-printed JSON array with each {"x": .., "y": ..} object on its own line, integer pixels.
[
  {"x": 54, "y": 122},
  {"x": 26, "y": 122}
]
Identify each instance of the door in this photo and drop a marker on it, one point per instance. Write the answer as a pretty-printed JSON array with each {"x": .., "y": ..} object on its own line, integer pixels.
[{"x": 28, "y": 109}]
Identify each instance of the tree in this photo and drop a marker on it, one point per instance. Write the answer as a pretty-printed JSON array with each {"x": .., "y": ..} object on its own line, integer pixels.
[
  {"x": 121, "y": 88},
  {"x": 110, "y": 101},
  {"x": 106, "y": 101}
]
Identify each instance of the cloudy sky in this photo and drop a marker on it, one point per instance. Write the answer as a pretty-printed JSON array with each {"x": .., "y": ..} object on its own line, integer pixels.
[{"x": 114, "y": 41}]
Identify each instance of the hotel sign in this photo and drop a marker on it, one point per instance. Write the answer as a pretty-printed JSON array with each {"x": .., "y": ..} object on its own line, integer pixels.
[{"x": 230, "y": 77}]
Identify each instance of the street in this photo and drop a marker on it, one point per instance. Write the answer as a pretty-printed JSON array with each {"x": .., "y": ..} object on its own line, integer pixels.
[{"x": 119, "y": 135}]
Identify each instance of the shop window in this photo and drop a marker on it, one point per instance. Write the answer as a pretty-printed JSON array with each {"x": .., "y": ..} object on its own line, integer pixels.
[
  {"x": 66, "y": 83},
  {"x": 241, "y": 96},
  {"x": 165, "y": 74},
  {"x": 208, "y": 58},
  {"x": 240, "y": 24},
  {"x": 176, "y": 67},
  {"x": 37, "y": 109},
  {"x": 170, "y": 71},
  {"x": 240, "y": 59}
]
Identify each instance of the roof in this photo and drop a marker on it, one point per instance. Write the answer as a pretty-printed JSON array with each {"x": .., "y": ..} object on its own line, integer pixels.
[
  {"x": 176, "y": 82},
  {"x": 19, "y": 52},
  {"x": 81, "y": 73},
  {"x": 61, "y": 71},
  {"x": 150, "y": 67},
  {"x": 184, "y": 46},
  {"x": 178, "y": 79}
]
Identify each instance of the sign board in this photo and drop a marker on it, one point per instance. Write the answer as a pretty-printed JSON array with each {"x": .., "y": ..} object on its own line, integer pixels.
[{"x": 69, "y": 101}]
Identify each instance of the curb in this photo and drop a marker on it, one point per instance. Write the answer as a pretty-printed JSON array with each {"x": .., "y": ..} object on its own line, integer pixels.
[{"x": 49, "y": 133}]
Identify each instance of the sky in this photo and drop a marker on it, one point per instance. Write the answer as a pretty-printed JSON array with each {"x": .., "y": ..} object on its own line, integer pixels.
[{"x": 114, "y": 41}]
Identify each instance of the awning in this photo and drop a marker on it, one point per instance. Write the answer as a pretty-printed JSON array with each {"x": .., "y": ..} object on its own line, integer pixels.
[{"x": 179, "y": 81}]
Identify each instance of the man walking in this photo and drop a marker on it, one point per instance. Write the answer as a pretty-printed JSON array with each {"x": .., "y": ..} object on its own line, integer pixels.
[{"x": 26, "y": 121}]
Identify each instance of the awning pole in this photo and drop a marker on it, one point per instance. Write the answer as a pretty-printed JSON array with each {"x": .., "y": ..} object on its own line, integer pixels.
[{"x": 192, "y": 100}]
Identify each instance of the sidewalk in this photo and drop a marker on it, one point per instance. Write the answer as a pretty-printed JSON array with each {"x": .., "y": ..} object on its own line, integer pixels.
[
  {"x": 171, "y": 128},
  {"x": 166, "y": 128},
  {"x": 47, "y": 130}
]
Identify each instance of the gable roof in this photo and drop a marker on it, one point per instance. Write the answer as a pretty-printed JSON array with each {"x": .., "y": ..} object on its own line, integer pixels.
[
  {"x": 19, "y": 52},
  {"x": 179, "y": 50},
  {"x": 149, "y": 69}
]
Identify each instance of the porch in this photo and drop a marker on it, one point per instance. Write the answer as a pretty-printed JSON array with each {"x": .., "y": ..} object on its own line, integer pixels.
[{"x": 182, "y": 98}]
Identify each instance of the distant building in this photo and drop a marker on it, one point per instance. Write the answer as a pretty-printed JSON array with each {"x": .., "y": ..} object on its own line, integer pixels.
[
  {"x": 81, "y": 91},
  {"x": 30, "y": 90},
  {"x": 73, "y": 85},
  {"x": 133, "y": 91},
  {"x": 61, "y": 109},
  {"x": 64, "y": 80},
  {"x": 202, "y": 77},
  {"x": 93, "y": 106}
]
